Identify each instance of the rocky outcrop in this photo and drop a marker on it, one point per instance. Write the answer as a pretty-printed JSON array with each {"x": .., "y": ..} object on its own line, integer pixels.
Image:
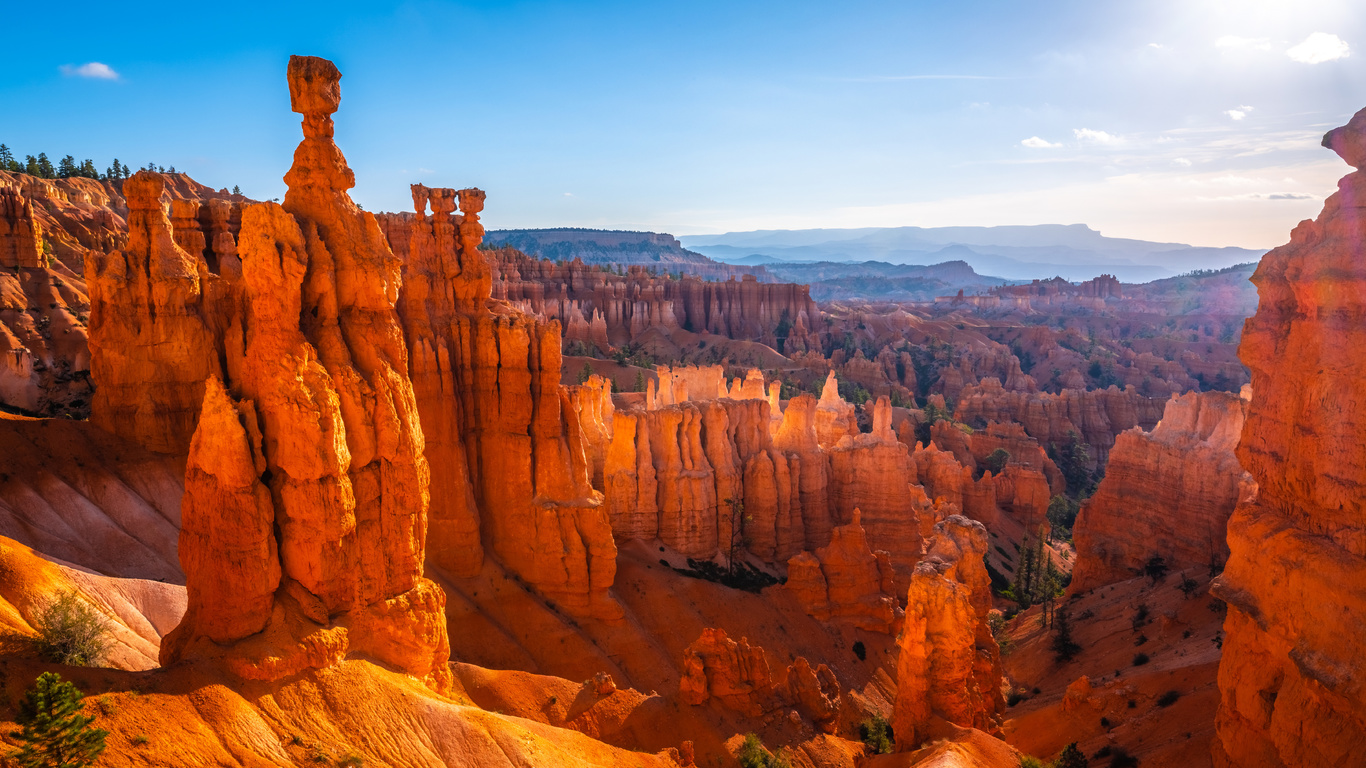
[
  {"x": 873, "y": 472},
  {"x": 1293, "y": 672},
  {"x": 47, "y": 229},
  {"x": 834, "y": 417},
  {"x": 599, "y": 306},
  {"x": 948, "y": 667},
  {"x": 847, "y": 581},
  {"x": 1096, "y": 415},
  {"x": 738, "y": 676},
  {"x": 682, "y": 472},
  {"x": 305, "y": 511},
  {"x": 497, "y": 419},
  {"x": 21, "y": 242},
  {"x": 151, "y": 341},
  {"x": 809, "y": 468},
  {"x": 1166, "y": 493}
]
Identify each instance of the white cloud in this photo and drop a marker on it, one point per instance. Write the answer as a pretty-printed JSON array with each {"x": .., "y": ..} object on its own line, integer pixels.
[
  {"x": 1034, "y": 142},
  {"x": 1237, "y": 114},
  {"x": 93, "y": 70},
  {"x": 1088, "y": 136},
  {"x": 1320, "y": 47},
  {"x": 1233, "y": 42},
  {"x": 1154, "y": 45},
  {"x": 1181, "y": 161},
  {"x": 569, "y": 194}
]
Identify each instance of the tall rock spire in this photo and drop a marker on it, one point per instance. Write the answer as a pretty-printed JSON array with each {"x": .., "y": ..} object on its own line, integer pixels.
[{"x": 313, "y": 446}]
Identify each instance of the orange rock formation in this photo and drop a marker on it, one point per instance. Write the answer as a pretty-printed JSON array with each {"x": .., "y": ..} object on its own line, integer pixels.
[
  {"x": 949, "y": 666},
  {"x": 598, "y": 306},
  {"x": 1293, "y": 671},
  {"x": 1166, "y": 493},
  {"x": 1097, "y": 415},
  {"x": 847, "y": 581},
  {"x": 304, "y": 519}
]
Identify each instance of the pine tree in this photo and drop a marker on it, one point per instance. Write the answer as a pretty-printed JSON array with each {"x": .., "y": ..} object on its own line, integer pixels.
[
  {"x": 7, "y": 159},
  {"x": 1024, "y": 578},
  {"x": 53, "y": 731},
  {"x": 640, "y": 381},
  {"x": 1071, "y": 757},
  {"x": 585, "y": 373},
  {"x": 87, "y": 169},
  {"x": 1063, "y": 646},
  {"x": 31, "y": 165},
  {"x": 45, "y": 169},
  {"x": 66, "y": 168},
  {"x": 236, "y": 190}
]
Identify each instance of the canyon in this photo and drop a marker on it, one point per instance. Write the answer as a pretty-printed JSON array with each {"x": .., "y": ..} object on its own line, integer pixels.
[{"x": 349, "y": 486}]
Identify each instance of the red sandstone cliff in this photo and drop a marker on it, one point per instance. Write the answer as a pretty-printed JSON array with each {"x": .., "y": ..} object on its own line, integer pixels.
[
  {"x": 1293, "y": 673},
  {"x": 1166, "y": 493},
  {"x": 1097, "y": 415},
  {"x": 596, "y": 305},
  {"x": 497, "y": 418}
]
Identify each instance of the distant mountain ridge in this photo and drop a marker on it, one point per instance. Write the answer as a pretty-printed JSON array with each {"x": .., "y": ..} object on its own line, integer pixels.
[{"x": 1075, "y": 252}]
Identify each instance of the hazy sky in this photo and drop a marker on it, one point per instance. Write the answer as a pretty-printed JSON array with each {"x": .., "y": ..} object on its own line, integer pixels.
[{"x": 1189, "y": 120}]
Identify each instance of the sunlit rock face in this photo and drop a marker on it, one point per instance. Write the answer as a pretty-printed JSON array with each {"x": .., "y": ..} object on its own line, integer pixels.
[
  {"x": 306, "y": 494},
  {"x": 948, "y": 665},
  {"x": 1293, "y": 673}
]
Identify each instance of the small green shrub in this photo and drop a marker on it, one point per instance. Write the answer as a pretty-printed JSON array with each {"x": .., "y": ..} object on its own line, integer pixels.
[
  {"x": 876, "y": 734},
  {"x": 860, "y": 650},
  {"x": 1070, "y": 757},
  {"x": 753, "y": 755},
  {"x": 1140, "y": 659},
  {"x": 70, "y": 632},
  {"x": 140, "y": 740},
  {"x": 1030, "y": 761},
  {"x": 351, "y": 760},
  {"x": 1167, "y": 699}
]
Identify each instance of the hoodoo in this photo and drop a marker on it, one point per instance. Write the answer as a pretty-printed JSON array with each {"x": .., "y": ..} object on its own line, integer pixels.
[
  {"x": 1293, "y": 673},
  {"x": 305, "y": 511}
]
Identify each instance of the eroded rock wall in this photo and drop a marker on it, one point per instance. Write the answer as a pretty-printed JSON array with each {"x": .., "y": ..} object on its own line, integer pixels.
[
  {"x": 1293, "y": 673},
  {"x": 1167, "y": 493}
]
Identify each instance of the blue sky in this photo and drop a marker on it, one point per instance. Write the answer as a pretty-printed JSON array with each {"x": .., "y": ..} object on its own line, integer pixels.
[{"x": 1194, "y": 120}]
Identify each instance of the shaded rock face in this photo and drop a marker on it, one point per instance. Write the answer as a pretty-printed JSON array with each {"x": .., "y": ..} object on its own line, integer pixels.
[
  {"x": 847, "y": 581},
  {"x": 1293, "y": 673},
  {"x": 305, "y": 509},
  {"x": 948, "y": 667},
  {"x": 1096, "y": 415},
  {"x": 1166, "y": 493},
  {"x": 598, "y": 306}
]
